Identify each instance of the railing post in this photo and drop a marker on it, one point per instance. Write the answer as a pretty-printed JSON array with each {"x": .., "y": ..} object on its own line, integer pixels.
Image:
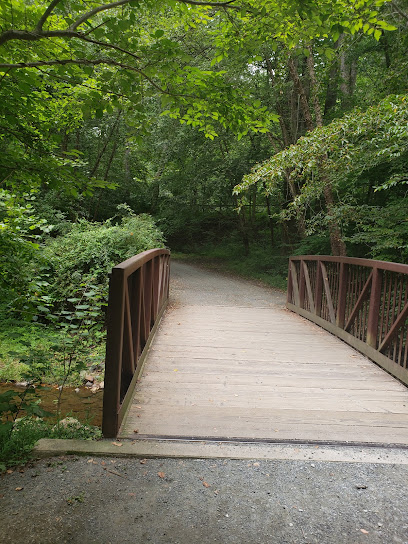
[
  {"x": 373, "y": 312},
  {"x": 294, "y": 282},
  {"x": 342, "y": 297},
  {"x": 114, "y": 349},
  {"x": 290, "y": 283}
]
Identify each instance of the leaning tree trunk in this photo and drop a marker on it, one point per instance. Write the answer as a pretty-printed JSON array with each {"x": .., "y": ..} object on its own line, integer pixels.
[{"x": 338, "y": 247}]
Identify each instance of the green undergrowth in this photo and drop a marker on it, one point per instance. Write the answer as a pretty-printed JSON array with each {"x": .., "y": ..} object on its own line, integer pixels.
[
  {"x": 260, "y": 264},
  {"x": 18, "y": 435},
  {"x": 31, "y": 351}
]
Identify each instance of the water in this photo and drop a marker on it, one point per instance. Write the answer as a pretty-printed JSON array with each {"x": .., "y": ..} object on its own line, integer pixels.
[{"x": 84, "y": 405}]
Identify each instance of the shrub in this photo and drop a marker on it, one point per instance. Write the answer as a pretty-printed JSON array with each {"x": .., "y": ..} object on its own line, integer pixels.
[{"x": 87, "y": 253}]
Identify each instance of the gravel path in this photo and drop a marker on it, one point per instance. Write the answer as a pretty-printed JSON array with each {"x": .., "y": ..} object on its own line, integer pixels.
[
  {"x": 193, "y": 285},
  {"x": 102, "y": 501}
]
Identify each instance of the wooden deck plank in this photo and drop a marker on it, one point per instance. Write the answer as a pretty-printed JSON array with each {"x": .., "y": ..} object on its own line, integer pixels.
[
  {"x": 278, "y": 383},
  {"x": 259, "y": 372}
]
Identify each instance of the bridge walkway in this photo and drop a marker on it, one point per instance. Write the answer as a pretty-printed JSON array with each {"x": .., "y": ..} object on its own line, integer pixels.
[{"x": 229, "y": 361}]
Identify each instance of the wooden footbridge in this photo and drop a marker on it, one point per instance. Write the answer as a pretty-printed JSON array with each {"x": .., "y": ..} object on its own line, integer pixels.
[{"x": 230, "y": 361}]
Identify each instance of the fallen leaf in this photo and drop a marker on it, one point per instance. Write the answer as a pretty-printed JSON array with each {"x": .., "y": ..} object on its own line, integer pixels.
[
  {"x": 10, "y": 471},
  {"x": 142, "y": 461},
  {"x": 136, "y": 430},
  {"x": 256, "y": 465},
  {"x": 103, "y": 463},
  {"x": 161, "y": 474},
  {"x": 132, "y": 494},
  {"x": 19, "y": 488},
  {"x": 364, "y": 531},
  {"x": 206, "y": 485},
  {"x": 118, "y": 444},
  {"x": 139, "y": 407}
]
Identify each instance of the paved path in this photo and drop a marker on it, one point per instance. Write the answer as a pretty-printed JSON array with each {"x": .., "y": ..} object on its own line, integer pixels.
[{"x": 229, "y": 361}]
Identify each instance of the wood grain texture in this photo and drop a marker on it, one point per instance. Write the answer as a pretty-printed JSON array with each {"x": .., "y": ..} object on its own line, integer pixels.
[{"x": 242, "y": 371}]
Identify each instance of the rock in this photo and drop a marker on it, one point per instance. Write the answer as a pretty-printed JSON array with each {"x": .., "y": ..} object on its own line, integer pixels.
[
  {"x": 77, "y": 389},
  {"x": 69, "y": 422},
  {"x": 89, "y": 384},
  {"x": 102, "y": 385},
  {"x": 89, "y": 378}
]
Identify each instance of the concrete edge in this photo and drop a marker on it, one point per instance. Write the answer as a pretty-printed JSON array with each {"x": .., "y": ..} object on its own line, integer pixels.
[{"x": 218, "y": 450}]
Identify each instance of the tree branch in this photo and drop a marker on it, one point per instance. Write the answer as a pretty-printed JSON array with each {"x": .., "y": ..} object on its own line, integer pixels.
[
  {"x": 113, "y": 5},
  {"x": 34, "y": 36},
  {"x": 86, "y": 62},
  {"x": 46, "y": 14},
  {"x": 27, "y": 35},
  {"x": 105, "y": 44},
  {"x": 70, "y": 32},
  {"x": 94, "y": 11}
]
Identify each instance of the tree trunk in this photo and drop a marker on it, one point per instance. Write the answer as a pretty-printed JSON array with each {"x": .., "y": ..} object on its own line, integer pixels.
[
  {"x": 338, "y": 247},
  {"x": 283, "y": 127},
  {"x": 270, "y": 220},
  {"x": 302, "y": 94},
  {"x": 105, "y": 145}
]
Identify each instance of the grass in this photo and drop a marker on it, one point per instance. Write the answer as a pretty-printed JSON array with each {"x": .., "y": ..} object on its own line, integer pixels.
[
  {"x": 260, "y": 264},
  {"x": 17, "y": 442}
]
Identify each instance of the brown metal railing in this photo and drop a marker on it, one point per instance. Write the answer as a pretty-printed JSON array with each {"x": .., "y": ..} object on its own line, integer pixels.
[
  {"x": 138, "y": 294},
  {"x": 362, "y": 301}
]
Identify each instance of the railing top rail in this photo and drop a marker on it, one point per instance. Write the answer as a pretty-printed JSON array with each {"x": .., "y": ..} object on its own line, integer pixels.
[
  {"x": 131, "y": 265},
  {"x": 382, "y": 265}
]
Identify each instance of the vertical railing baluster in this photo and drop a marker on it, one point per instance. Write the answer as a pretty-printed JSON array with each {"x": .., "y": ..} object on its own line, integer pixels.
[
  {"x": 302, "y": 284},
  {"x": 342, "y": 295},
  {"x": 319, "y": 288},
  {"x": 374, "y": 307}
]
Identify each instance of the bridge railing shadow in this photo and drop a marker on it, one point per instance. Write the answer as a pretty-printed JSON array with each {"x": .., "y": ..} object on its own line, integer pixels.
[
  {"x": 138, "y": 295},
  {"x": 362, "y": 301}
]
